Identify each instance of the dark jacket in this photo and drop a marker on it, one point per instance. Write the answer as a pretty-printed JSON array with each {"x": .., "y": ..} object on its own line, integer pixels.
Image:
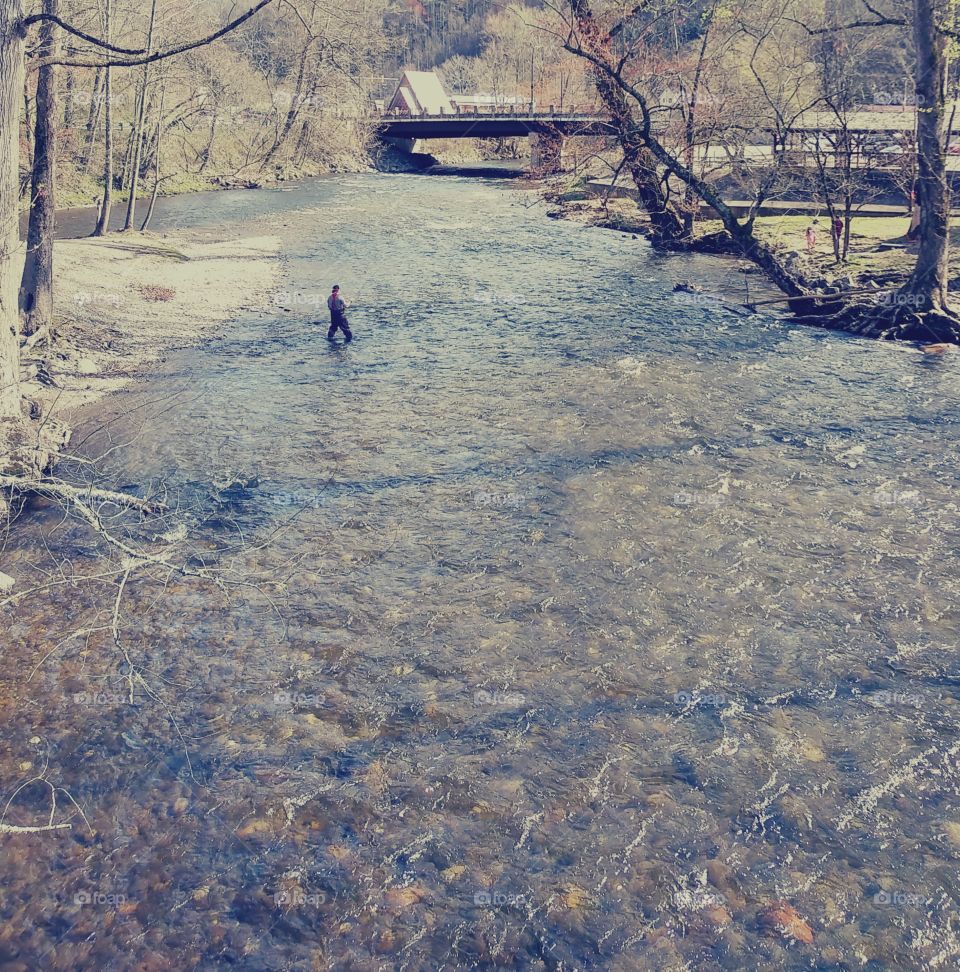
[{"x": 338, "y": 308}]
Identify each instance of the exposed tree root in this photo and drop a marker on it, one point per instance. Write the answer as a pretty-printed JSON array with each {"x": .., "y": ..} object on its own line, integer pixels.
[
  {"x": 893, "y": 322},
  {"x": 895, "y": 316},
  {"x": 719, "y": 243},
  {"x": 31, "y": 341}
]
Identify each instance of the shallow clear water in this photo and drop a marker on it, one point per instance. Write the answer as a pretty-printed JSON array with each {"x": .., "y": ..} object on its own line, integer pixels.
[{"x": 562, "y": 622}]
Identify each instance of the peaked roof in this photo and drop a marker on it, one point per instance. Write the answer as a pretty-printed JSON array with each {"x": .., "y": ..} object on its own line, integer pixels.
[{"x": 422, "y": 91}]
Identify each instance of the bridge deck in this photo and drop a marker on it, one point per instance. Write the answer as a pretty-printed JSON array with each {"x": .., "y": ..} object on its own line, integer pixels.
[{"x": 469, "y": 125}]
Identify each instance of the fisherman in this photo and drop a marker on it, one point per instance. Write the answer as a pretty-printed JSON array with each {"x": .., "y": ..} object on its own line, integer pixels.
[{"x": 338, "y": 315}]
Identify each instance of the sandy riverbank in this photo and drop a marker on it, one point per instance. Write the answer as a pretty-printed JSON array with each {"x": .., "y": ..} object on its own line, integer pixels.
[{"x": 123, "y": 303}]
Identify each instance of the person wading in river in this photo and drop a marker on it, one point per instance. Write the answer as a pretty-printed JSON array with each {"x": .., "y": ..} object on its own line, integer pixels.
[{"x": 338, "y": 315}]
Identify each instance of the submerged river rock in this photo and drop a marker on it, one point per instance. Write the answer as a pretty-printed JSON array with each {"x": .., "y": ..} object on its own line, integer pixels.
[{"x": 561, "y": 621}]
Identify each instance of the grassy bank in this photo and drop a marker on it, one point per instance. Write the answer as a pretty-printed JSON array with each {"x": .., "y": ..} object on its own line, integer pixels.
[{"x": 878, "y": 248}]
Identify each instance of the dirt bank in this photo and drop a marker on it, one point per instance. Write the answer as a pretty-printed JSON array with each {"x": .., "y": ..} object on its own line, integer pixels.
[
  {"x": 854, "y": 297},
  {"x": 125, "y": 302}
]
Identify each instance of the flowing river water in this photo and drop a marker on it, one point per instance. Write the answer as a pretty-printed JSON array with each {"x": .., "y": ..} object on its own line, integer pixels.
[{"x": 562, "y": 622}]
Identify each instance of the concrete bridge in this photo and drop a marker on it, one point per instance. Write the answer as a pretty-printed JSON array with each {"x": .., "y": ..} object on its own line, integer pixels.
[
  {"x": 547, "y": 130},
  {"x": 422, "y": 108},
  {"x": 501, "y": 124}
]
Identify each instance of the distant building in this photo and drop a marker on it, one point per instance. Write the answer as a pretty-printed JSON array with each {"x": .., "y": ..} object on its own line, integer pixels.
[
  {"x": 481, "y": 102},
  {"x": 420, "y": 93},
  {"x": 863, "y": 118},
  {"x": 423, "y": 93}
]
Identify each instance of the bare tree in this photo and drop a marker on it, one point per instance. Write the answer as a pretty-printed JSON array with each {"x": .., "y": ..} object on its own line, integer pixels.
[
  {"x": 921, "y": 308},
  {"x": 138, "y": 126},
  {"x": 647, "y": 152},
  {"x": 106, "y": 201},
  {"x": 93, "y": 115},
  {"x": 587, "y": 38},
  {"x": 11, "y": 94},
  {"x": 36, "y": 285}
]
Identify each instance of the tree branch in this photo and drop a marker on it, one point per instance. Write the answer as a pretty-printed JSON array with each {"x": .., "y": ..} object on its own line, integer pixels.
[
  {"x": 14, "y": 829},
  {"x": 879, "y": 22},
  {"x": 157, "y": 55},
  {"x": 60, "y": 490},
  {"x": 38, "y": 18}
]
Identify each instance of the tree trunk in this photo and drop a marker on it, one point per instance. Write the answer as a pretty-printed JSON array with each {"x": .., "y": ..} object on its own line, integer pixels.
[
  {"x": 103, "y": 222},
  {"x": 93, "y": 116},
  {"x": 666, "y": 223},
  {"x": 153, "y": 197},
  {"x": 847, "y": 219},
  {"x": 138, "y": 128},
  {"x": 69, "y": 108},
  {"x": 36, "y": 285},
  {"x": 295, "y": 102},
  {"x": 156, "y": 168},
  {"x": 28, "y": 119},
  {"x": 11, "y": 95},
  {"x": 208, "y": 151},
  {"x": 127, "y": 158},
  {"x": 303, "y": 141},
  {"x": 927, "y": 286},
  {"x": 690, "y": 206}
]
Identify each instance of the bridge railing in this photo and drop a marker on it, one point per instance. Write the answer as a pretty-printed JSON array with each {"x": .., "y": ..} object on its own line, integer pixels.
[{"x": 499, "y": 111}]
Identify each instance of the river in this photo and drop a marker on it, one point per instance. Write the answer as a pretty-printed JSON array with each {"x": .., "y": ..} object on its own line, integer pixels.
[{"x": 561, "y": 621}]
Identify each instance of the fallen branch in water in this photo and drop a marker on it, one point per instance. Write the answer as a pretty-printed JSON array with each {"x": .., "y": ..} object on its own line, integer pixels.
[
  {"x": 6, "y": 828},
  {"x": 839, "y": 295},
  {"x": 13, "y": 829},
  {"x": 57, "y": 489}
]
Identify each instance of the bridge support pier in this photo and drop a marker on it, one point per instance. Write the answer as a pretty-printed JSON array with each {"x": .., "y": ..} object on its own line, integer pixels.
[
  {"x": 407, "y": 155},
  {"x": 546, "y": 152},
  {"x": 410, "y": 146}
]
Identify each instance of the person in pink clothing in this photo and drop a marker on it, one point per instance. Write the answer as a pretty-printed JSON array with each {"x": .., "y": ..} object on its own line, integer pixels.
[{"x": 811, "y": 237}]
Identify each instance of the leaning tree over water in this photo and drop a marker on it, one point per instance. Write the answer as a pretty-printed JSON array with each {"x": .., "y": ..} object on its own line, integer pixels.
[{"x": 620, "y": 43}]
